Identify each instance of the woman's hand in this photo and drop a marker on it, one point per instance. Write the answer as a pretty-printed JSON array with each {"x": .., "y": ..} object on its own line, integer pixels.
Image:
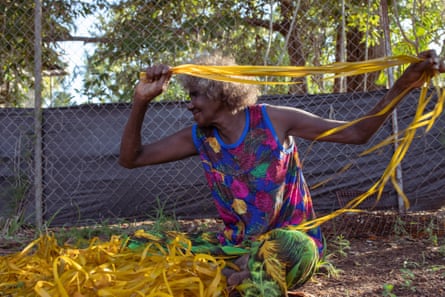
[
  {"x": 415, "y": 75},
  {"x": 155, "y": 82}
]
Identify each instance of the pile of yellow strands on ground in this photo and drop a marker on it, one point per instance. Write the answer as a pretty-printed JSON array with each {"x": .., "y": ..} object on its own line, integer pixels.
[{"x": 111, "y": 268}]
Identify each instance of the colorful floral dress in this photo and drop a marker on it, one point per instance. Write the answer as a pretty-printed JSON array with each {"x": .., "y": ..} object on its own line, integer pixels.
[
  {"x": 257, "y": 184},
  {"x": 259, "y": 189}
]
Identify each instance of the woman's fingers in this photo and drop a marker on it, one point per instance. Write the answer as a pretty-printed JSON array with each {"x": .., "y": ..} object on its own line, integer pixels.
[{"x": 157, "y": 72}]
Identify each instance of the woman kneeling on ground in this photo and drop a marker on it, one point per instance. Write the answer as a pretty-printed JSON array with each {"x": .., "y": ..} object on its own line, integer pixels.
[{"x": 251, "y": 164}]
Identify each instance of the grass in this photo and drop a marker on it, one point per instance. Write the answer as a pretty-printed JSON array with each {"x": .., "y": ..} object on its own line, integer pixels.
[
  {"x": 336, "y": 248},
  {"x": 79, "y": 236}
]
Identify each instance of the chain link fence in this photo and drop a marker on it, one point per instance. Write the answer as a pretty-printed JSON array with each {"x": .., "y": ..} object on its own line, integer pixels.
[{"x": 67, "y": 76}]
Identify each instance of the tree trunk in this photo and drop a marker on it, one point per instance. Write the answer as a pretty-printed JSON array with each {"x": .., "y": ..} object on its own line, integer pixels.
[
  {"x": 290, "y": 29},
  {"x": 356, "y": 51},
  {"x": 296, "y": 58},
  {"x": 338, "y": 51}
]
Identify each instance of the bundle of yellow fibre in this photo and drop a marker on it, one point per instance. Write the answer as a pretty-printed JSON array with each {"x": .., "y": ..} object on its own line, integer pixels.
[
  {"x": 236, "y": 73},
  {"x": 111, "y": 268}
]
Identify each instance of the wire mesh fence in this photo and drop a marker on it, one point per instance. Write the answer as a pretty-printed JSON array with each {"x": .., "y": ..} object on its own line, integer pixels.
[{"x": 60, "y": 138}]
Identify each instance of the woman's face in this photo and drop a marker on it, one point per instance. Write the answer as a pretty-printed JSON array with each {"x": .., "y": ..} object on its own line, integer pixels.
[{"x": 204, "y": 110}]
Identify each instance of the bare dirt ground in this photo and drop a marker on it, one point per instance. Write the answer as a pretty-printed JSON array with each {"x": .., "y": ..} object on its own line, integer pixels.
[
  {"x": 384, "y": 256},
  {"x": 384, "y": 266}
]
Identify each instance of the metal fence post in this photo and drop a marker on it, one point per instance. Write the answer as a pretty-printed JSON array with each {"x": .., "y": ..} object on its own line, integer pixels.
[
  {"x": 395, "y": 126},
  {"x": 38, "y": 181}
]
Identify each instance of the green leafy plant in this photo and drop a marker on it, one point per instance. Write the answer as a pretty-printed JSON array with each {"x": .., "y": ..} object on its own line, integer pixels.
[
  {"x": 15, "y": 194},
  {"x": 432, "y": 236},
  {"x": 400, "y": 227},
  {"x": 341, "y": 246},
  {"x": 81, "y": 236},
  {"x": 325, "y": 266},
  {"x": 408, "y": 275},
  {"x": 442, "y": 250},
  {"x": 387, "y": 290},
  {"x": 162, "y": 221},
  {"x": 259, "y": 284}
]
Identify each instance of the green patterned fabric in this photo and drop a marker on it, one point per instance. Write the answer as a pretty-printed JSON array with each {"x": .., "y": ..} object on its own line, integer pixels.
[
  {"x": 279, "y": 261},
  {"x": 286, "y": 257}
]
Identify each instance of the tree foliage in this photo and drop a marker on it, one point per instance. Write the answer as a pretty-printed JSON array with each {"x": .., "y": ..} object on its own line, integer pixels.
[
  {"x": 17, "y": 42},
  {"x": 279, "y": 32},
  {"x": 136, "y": 33}
]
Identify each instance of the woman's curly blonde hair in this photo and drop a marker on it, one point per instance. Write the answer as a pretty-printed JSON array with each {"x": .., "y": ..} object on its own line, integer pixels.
[{"x": 235, "y": 96}]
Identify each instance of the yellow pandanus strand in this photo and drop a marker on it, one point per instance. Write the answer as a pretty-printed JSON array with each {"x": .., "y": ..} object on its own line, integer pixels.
[
  {"x": 236, "y": 73},
  {"x": 420, "y": 119}
]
